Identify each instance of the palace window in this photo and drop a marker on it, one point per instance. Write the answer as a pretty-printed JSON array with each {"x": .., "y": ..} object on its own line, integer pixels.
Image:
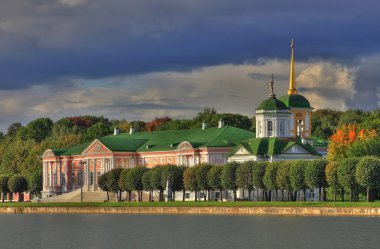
[
  {"x": 91, "y": 178},
  {"x": 63, "y": 179},
  {"x": 162, "y": 160},
  {"x": 169, "y": 160},
  {"x": 79, "y": 178},
  {"x": 270, "y": 128}
]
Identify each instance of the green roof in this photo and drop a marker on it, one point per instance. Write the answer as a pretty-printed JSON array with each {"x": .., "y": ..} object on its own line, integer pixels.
[
  {"x": 122, "y": 144},
  {"x": 271, "y": 146},
  {"x": 76, "y": 150},
  {"x": 227, "y": 136},
  {"x": 272, "y": 103},
  {"x": 295, "y": 101}
]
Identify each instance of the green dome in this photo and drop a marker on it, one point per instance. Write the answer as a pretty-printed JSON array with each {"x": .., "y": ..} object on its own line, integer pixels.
[
  {"x": 272, "y": 104},
  {"x": 295, "y": 101}
]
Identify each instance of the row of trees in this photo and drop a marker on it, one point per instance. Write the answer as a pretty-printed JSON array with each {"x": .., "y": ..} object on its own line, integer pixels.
[{"x": 356, "y": 175}]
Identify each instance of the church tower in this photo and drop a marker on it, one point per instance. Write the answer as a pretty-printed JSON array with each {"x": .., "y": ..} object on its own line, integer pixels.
[
  {"x": 272, "y": 117},
  {"x": 299, "y": 106}
]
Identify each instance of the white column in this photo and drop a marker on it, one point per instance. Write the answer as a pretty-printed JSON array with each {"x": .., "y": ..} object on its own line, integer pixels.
[
  {"x": 94, "y": 179},
  {"x": 50, "y": 174},
  {"x": 44, "y": 174},
  {"x": 103, "y": 166}
]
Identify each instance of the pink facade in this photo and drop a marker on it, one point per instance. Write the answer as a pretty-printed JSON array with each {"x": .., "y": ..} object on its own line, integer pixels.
[{"x": 63, "y": 174}]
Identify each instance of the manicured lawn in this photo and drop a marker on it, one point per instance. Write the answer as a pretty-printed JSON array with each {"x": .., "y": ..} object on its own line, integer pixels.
[{"x": 193, "y": 204}]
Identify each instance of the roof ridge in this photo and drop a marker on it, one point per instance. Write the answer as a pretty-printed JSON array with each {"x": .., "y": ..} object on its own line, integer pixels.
[{"x": 224, "y": 130}]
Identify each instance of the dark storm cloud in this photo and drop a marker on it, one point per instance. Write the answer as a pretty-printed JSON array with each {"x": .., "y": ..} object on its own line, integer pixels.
[{"x": 45, "y": 41}]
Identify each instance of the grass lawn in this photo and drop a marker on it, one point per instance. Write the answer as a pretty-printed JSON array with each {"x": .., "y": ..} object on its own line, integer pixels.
[{"x": 192, "y": 204}]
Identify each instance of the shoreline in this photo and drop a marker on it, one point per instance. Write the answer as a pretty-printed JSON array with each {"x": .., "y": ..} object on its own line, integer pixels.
[{"x": 274, "y": 211}]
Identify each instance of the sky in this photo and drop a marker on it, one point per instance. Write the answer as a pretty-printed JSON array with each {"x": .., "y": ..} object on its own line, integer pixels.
[{"x": 149, "y": 58}]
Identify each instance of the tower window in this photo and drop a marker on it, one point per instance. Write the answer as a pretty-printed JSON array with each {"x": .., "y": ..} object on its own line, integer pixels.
[
  {"x": 282, "y": 129},
  {"x": 299, "y": 128},
  {"x": 270, "y": 128}
]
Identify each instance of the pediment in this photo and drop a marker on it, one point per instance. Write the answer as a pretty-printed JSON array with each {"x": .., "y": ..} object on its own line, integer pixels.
[
  {"x": 241, "y": 151},
  {"x": 185, "y": 146},
  {"x": 296, "y": 149},
  {"x": 96, "y": 148},
  {"x": 48, "y": 153}
]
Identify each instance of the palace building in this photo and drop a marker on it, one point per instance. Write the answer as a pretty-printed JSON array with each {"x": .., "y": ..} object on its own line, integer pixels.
[{"x": 283, "y": 132}]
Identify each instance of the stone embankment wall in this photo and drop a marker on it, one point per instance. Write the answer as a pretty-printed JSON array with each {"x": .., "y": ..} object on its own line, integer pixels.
[{"x": 289, "y": 211}]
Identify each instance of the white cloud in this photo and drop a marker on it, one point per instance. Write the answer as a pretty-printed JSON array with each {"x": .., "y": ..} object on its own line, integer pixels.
[{"x": 228, "y": 88}]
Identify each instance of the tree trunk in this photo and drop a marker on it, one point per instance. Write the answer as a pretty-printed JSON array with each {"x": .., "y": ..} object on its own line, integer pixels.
[
  {"x": 183, "y": 194},
  {"x": 334, "y": 194},
  {"x": 108, "y": 197},
  {"x": 295, "y": 195},
  {"x": 204, "y": 196},
  {"x": 196, "y": 195},
  {"x": 368, "y": 195},
  {"x": 276, "y": 195},
  {"x": 234, "y": 194},
  {"x": 243, "y": 194},
  {"x": 342, "y": 194},
  {"x": 221, "y": 195},
  {"x": 257, "y": 194},
  {"x": 319, "y": 194},
  {"x": 282, "y": 195},
  {"x": 249, "y": 194},
  {"x": 304, "y": 194}
]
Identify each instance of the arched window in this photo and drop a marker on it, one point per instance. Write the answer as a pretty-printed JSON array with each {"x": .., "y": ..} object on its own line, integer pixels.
[
  {"x": 299, "y": 128},
  {"x": 270, "y": 128}
]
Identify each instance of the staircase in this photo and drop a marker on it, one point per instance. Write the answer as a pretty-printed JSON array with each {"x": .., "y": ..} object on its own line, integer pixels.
[{"x": 74, "y": 196}]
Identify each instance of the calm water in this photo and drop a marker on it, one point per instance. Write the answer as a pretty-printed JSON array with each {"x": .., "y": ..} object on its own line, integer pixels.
[{"x": 182, "y": 232}]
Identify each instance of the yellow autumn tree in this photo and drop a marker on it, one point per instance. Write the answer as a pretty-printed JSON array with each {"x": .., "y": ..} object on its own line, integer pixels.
[{"x": 344, "y": 137}]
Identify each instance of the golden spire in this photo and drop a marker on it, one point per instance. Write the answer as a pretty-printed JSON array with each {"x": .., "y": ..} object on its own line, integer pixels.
[{"x": 292, "y": 81}]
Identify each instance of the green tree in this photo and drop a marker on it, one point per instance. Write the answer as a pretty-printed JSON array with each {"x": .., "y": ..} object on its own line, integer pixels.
[
  {"x": 113, "y": 182},
  {"x": 98, "y": 130},
  {"x": 146, "y": 182},
  {"x": 244, "y": 177},
  {"x": 368, "y": 147},
  {"x": 103, "y": 184},
  {"x": 346, "y": 175},
  {"x": 156, "y": 181},
  {"x": 269, "y": 179},
  {"x": 35, "y": 182},
  {"x": 39, "y": 129},
  {"x": 368, "y": 175},
  {"x": 332, "y": 177},
  {"x": 297, "y": 177},
  {"x": 315, "y": 176},
  {"x": 134, "y": 180},
  {"x": 258, "y": 172},
  {"x": 202, "y": 180},
  {"x": 283, "y": 179},
  {"x": 214, "y": 178},
  {"x": 13, "y": 128},
  {"x": 190, "y": 180},
  {"x": 17, "y": 184},
  {"x": 123, "y": 185},
  {"x": 229, "y": 177},
  {"x": 4, "y": 186}
]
